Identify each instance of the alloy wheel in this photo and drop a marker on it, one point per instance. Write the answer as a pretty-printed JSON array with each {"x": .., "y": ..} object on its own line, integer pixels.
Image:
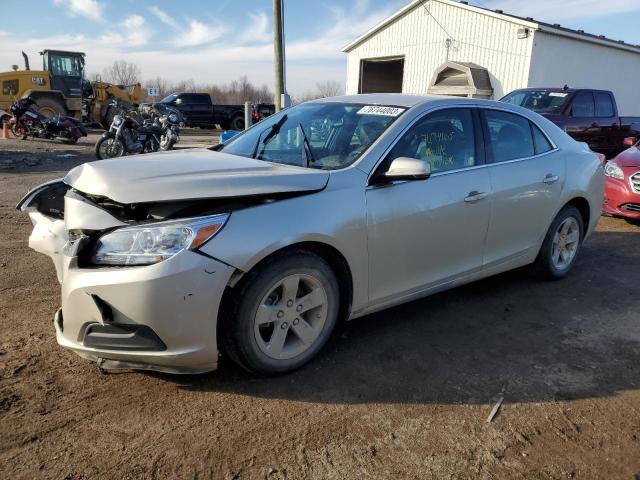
[
  {"x": 565, "y": 244},
  {"x": 291, "y": 316}
]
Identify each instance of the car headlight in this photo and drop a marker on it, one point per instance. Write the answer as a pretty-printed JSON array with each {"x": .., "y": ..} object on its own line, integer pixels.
[
  {"x": 155, "y": 242},
  {"x": 117, "y": 120},
  {"x": 611, "y": 169},
  {"x": 173, "y": 118}
]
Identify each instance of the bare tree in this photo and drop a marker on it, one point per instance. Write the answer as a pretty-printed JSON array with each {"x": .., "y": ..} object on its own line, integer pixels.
[
  {"x": 330, "y": 88},
  {"x": 162, "y": 84},
  {"x": 237, "y": 92},
  {"x": 122, "y": 73}
]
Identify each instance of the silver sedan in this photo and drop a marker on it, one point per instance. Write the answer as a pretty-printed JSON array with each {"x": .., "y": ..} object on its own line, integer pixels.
[{"x": 326, "y": 211}]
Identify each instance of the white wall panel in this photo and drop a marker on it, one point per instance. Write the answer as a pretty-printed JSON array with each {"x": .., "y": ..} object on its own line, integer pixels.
[{"x": 557, "y": 61}]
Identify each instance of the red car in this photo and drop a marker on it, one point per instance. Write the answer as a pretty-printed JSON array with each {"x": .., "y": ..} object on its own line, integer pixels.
[{"x": 622, "y": 188}]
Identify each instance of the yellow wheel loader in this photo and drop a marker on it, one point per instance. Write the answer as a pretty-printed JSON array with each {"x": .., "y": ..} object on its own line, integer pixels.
[{"x": 60, "y": 87}]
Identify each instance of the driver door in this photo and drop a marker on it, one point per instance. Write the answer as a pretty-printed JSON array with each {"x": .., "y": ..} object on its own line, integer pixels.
[{"x": 426, "y": 233}]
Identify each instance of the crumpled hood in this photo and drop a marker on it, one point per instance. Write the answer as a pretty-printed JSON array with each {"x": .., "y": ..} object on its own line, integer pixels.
[
  {"x": 629, "y": 158},
  {"x": 190, "y": 174}
]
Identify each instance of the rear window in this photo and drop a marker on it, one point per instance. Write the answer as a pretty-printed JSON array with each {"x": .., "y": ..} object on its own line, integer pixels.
[
  {"x": 583, "y": 105},
  {"x": 540, "y": 141},
  {"x": 510, "y": 136},
  {"x": 604, "y": 104},
  {"x": 195, "y": 98}
]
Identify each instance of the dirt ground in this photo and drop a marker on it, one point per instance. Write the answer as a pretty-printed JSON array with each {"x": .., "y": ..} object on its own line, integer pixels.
[{"x": 401, "y": 394}]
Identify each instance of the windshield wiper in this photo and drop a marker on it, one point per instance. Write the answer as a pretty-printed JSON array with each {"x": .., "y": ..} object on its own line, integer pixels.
[
  {"x": 275, "y": 128},
  {"x": 306, "y": 147}
]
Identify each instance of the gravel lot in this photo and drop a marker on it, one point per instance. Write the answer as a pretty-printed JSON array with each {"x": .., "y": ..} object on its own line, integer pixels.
[{"x": 402, "y": 394}]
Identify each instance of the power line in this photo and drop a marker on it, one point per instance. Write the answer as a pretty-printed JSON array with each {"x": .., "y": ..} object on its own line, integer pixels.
[{"x": 424, "y": 4}]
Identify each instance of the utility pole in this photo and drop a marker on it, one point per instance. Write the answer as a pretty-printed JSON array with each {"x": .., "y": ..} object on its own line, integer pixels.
[{"x": 278, "y": 50}]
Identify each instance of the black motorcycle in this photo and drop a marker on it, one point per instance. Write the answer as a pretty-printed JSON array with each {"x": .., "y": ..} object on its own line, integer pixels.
[
  {"x": 170, "y": 119},
  {"x": 28, "y": 123},
  {"x": 129, "y": 134}
]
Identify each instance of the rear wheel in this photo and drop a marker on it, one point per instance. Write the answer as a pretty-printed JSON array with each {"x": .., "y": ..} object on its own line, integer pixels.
[
  {"x": 110, "y": 147},
  {"x": 561, "y": 245},
  {"x": 281, "y": 315},
  {"x": 237, "y": 122}
]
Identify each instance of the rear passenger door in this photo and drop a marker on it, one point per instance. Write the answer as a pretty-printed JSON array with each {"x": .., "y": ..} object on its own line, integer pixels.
[
  {"x": 611, "y": 136},
  {"x": 581, "y": 124},
  {"x": 527, "y": 174}
]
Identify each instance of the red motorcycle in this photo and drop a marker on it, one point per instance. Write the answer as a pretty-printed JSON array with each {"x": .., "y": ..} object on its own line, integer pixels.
[{"x": 27, "y": 123}]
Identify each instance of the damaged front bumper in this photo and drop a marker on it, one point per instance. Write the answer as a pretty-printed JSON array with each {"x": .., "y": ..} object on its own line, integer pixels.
[{"x": 159, "y": 317}]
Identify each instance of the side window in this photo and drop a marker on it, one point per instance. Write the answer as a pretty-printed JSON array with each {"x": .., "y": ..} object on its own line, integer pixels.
[
  {"x": 444, "y": 139},
  {"x": 509, "y": 136},
  {"x": 540, "y": 141},
  {"x": 583, "y": 105},
  {"x": 10, "y": 87},
  {"x": 604, "y": 105}
]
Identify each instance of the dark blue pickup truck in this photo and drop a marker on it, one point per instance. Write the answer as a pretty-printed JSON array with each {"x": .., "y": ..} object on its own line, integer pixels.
[{"x": 200, "y": 111}]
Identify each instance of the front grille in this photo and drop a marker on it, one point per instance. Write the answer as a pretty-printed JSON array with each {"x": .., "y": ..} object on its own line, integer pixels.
[
  {"x": 635, "y": 182},
  {"x": 631, "y": 207}
]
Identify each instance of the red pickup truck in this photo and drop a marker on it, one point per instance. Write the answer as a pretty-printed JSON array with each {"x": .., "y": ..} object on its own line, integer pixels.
[{"x": 587, "y": 115}]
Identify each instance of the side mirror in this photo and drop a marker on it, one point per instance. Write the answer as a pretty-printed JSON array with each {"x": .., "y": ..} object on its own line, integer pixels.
[
  {"x": 404, "y": 168},
  {"x": 630, "y": 141}
]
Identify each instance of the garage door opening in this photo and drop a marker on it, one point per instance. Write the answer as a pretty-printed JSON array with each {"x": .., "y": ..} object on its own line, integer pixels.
[{"x": 381, "y": 75}]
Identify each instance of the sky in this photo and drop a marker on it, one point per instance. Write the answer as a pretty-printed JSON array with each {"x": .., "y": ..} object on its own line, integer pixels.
[{"x": 217, "y": 41}]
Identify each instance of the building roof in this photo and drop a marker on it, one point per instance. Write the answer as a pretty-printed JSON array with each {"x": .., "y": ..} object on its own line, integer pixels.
[{"x": 554, "y": 29}]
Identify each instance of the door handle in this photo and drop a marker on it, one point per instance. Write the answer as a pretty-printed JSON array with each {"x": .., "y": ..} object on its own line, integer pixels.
[
  {"x": 475, "y": 196},
  {"x": 550, "y": 179}
]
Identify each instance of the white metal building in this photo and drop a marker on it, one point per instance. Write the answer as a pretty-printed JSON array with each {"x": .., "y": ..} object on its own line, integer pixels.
[{"x": 450, "y": 47}]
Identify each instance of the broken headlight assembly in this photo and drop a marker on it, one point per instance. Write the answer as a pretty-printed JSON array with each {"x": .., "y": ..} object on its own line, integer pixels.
[{"x": 154, "y": 242}]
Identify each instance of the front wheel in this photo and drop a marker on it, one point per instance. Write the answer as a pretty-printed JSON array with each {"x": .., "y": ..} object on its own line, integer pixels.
[
  {"x": 561, "y": 245},
  {"x": 110, "y": 147},
  {"x": 281, "y": 314}
]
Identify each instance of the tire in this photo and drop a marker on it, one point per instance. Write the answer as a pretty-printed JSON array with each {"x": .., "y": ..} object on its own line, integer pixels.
[
  {"x": 263, "y": 326},
  {"x": 557, "y": 256},
  {"x": 49, "y": 107},
  {"x": 237, "y": 122},
  {"x": 103, "y": 151}
]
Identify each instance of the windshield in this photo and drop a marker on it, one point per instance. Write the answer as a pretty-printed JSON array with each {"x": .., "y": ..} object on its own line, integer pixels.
[
  {"x": 541, "y": 101},
  {"x": 65, "y": 65},
  {"x": 317, "y": 135},
  {"x": 169, "y": 98}
]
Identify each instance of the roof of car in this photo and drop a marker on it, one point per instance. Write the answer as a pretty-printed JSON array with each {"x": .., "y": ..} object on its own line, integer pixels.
[{"x": 395, "y": 99}]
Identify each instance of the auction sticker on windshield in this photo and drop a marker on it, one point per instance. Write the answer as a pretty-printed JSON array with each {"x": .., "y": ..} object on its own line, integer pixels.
[{"x": 377, "y": 110}]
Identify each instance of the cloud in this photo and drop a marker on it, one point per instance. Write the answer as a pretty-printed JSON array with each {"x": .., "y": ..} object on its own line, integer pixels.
[
  {"x": 198, "y": 33},
  {"x": 164, "y": 17},
  {"x": 203, "y": 51},
  {"x": 259, "y": 29},
  {"x": 550, "y": 10},
  {"x": 134, "y": 32},
  {"x": 91, "y": 9}
]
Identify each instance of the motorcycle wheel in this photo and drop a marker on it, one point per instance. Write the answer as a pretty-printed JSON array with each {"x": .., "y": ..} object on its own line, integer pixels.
[
  {"x": 110, "y": 147},
  {"x": 166, "y": 144}
]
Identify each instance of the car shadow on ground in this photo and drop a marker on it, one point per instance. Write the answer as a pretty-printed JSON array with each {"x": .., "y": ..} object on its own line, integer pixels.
[{"x": 537, "y": 340}]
